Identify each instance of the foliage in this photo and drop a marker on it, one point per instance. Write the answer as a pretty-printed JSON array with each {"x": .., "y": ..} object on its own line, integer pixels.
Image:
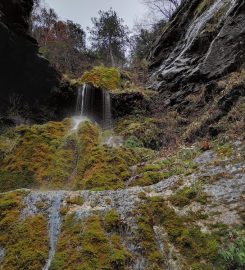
[
  {"x": 186, "y": 195},
  {"x": 233, "y": 254},
  {"x": 112, "y": 221},
  {"x": 179, "y": 164},
  {"x": 85, "y": 245},
  {"x": 133, "y": 142},
  {"x": 25, "y": 241},
  {"x": 145, "y": 130},
  {"x": 103, "y": 77},
  {"x": 62, "y": 42},
  {"x": 109, "y": 37},
  {"x": 193, "y": 245}
]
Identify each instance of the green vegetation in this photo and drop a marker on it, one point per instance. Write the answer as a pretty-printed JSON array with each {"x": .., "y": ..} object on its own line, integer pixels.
[
  {"x": 84, "y": 245},
  {"x": 25, "y": 241},
  {"x": 77, "y": 200},
  {"x": 51, "y": 156},
  {"x": 179, "y": 164},
  {"x": 140, "y": 131},
  {"x": 101, "y": 167},
  {"x": 233, "y": 254},
  {"x": 204, "y": 5},
  {"x": 42, "y": 154},
  {"x": 187, "y": 195},
  {"x": 102, "y": 77},
  {"x": 193, "y": 245},
  {"x": 112, "y": 221}
]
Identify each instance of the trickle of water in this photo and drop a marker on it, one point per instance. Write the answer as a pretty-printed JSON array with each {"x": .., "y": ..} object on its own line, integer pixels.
[
  {"x": 177, "y": 61},
  {"x": 54, "y": 225},
  {"x": 2, "y": 252},
  {"x": 93, "y": 104}
]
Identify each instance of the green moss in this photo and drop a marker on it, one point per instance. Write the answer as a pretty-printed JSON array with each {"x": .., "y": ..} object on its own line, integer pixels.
[
  {"x": 103, "y": 77},
  {"x": 193, "y": 245},
  {"x": 178, "y": 164},
  {"x": 140, "y": 130},
  {"x": 85, "y": 245},
  {"x": 77, "y": 200},
  {"x": 101, "y": 167},
  {"x": 39, "y": 148},
  {"x": 15, "y": 180},
  {"x": 50, "y": 156},
  {"x": 187, "y": 195},
  {"x": 204, "y": 5},
  {"x": 112, "y": 221},
  {"x": 25, "y": 241}
]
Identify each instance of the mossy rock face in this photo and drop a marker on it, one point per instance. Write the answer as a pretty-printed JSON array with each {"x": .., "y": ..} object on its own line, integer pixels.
[
  {"x": 84, "y": 244},
  {"x": 101, "y": 167},
  {"x": 52, "y": 156},
  {"x": 41, "y": 153},
  {"x": 193, "y": 245},
  {"x": 25, "y": 241},
  {"x": 102, "y": 77},
  {"x": 140, "y": 131}
]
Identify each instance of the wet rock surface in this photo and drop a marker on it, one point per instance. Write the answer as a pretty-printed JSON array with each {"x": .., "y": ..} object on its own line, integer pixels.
[
  {"x": 222, "y": 180},
  {"x": 182, "y": 56},
  {"x": 196, "y": 52}
]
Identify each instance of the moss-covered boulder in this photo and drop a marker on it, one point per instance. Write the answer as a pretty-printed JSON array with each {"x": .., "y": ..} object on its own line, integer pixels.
[{"x": 102, "y": 77}]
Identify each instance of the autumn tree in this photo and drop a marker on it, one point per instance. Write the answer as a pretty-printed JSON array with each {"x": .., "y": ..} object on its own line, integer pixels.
[{"x": 109, "y": 37}]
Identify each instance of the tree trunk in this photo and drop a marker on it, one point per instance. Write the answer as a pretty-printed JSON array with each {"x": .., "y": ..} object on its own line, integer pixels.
[{"x": 112, "y": 56}]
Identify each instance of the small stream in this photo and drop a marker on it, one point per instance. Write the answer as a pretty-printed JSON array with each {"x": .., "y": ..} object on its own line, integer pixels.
[{"x": 54, "y": 226}]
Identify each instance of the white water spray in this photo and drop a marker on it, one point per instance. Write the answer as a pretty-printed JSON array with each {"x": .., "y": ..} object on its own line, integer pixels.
[{"x": 93, "y": 104}]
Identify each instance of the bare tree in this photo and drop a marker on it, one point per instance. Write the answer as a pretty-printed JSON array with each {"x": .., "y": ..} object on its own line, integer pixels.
[{"x": 162, "y": 8}]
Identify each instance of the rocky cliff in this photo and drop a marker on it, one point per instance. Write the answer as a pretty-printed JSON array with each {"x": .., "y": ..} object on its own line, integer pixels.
[
  {"x": 142, "y": 196},
  {"x": 198, "y": 62},
  {"x": 26, "y": 78}
]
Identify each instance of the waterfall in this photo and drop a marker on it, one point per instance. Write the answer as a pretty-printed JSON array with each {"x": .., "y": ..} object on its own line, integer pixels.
[
  {"x": 54, "y": 225},
  {"x": 177, "y": 60},
  {"x": 93, "y": 104}
]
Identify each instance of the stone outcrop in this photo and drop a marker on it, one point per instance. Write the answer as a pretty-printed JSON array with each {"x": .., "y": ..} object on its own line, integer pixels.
[
  {"x": 199, "y": 44},
  {"x": 197, "y": 64},
  {"x": 25, "y": 76},
  {"x": 222, "y": 182}
]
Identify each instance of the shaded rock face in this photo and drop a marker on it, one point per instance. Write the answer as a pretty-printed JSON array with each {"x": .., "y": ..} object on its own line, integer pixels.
[
  {"x": 197, "y": 64},
  {"x": 25, "y": 76},
  {"x": 199, "y": 45},
  {"x": 124, "y": 104}
]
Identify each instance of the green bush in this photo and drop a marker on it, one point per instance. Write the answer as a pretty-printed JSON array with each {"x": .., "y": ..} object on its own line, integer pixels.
[
  {"x": 233, "y": 255},
  {"x": 133, "y": 142}
]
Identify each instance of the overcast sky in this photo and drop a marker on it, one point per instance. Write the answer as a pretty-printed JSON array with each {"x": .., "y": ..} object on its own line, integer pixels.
[{"x": 81, "y": 11}]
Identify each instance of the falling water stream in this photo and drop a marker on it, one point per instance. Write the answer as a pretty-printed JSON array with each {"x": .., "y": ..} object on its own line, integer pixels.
[
  {"x": 54, "y": 225},
  {"x": 177, "y": 60},
  {"x": 93, "y": 104}
]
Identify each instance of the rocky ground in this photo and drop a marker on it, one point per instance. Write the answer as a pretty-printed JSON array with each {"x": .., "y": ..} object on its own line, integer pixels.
[{"x": 209, "y": 199}]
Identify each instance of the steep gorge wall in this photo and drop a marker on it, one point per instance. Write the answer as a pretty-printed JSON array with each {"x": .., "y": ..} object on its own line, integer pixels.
[
  {"x": 197, "y": 64},
  {"x": 25, "y": 76}
]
